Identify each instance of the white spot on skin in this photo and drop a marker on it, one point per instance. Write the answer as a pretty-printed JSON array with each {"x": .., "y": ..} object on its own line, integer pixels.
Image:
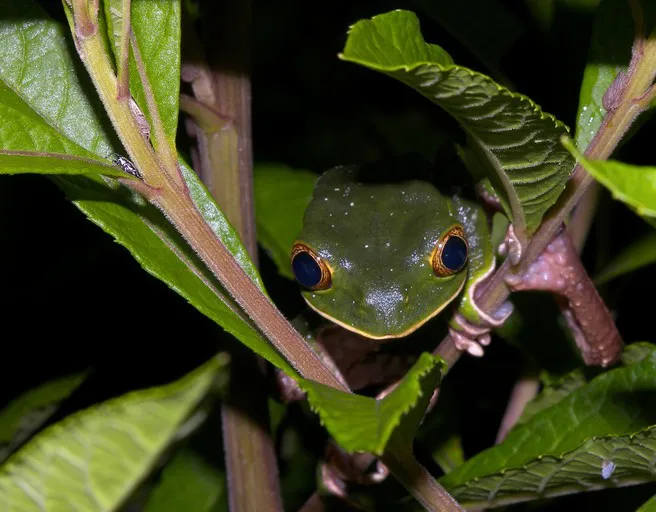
[
  {"x": 352, "y": 203},
  {"x": 366, "y": 246},
  {"x": 383, "y": 301}
]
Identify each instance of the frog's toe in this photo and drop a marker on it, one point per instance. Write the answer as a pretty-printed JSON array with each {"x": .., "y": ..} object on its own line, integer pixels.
[{"x": 466, "y": 344}]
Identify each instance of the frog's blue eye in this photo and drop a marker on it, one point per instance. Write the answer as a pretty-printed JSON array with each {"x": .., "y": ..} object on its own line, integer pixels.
[
  {"x": 450, "y": 254},
  {"x": 309, "y": 269}
]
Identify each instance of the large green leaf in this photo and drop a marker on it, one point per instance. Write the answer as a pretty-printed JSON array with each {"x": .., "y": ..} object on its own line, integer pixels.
[
  {"x": 570, "y": 446},
  {"x": 156, "y": 27},
  {"x": 637, "y": 255},
  {"x": 281, "y": 196},
  {"x": 25, "y": 162},
  {"x": 94, "y": 459},
  {"x": 135, "y": 224},
  {"x": 26, "y": 414},
  {"x": 359, "y": 423},
  {"x": 517, "y": 141},
  {"x": 598, "y": 463},
  {"x": 632, "y": 184},
  {"x": 188, "y": 482}
]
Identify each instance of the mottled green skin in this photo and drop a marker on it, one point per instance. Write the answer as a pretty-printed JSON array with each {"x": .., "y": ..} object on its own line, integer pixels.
[{"x": 378, "y": 240}]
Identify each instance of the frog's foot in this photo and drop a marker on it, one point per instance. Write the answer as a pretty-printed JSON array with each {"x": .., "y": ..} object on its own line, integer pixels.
[
  {"x": 472, "y": 337},
  {"x": 559, "y": 270}
]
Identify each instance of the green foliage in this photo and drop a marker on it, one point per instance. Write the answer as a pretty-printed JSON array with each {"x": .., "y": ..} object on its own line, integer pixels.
[
  {"x": 637, "y": 255},
  {"x": 632, "y": 184},
  {"x": 608, "y": 56},
  {"x": 159, "y": 50},
  {"x": 138, "y": 226},
  {"x": 95, "y": 458},
  {"x": 188, "y": 483},
  {"x": 513, "y": 138},
  {"x": 363, "y": 424},
  {"x": 277, "y": 227},
  {"x": 27, "y": 413},
  {"x": 608, "y": 419},
  {"x": 583, "y": 431}
]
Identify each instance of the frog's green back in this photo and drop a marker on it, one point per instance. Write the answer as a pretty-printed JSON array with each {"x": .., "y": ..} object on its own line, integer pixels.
[{"x": 377, "y": 240}]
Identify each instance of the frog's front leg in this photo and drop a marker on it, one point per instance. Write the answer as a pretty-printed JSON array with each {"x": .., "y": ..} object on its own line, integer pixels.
[
  {"x": 470, "y": 327},
  {"x": 559, "y": 270}
]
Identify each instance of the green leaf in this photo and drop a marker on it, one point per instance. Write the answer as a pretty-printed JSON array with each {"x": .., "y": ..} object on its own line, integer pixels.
[
  {"x": 156, "y": 27},
  {"x": 599, "y": 463},
  {"x": 94, "y": 459},
  {"x": 275, "y": 186},
  {"x": 567, "y": 447},
  {"x": 36, "y": 68},
  {"x": 632, "y": 184},
  {"x": 610, "y": 52},
  {"x": 553, "y": 392},
  {"x": 518, "y": 142},
  {"x": 649, "y": 505},
  {"x": 26, "y": 414},
  {"x": 188, "y": 482},
  {"x": 30, "y": 162},
  {"x": 360, "y": 423},
  {"x": 640, "y": 253},
  {"x": 125, "y": 215}
]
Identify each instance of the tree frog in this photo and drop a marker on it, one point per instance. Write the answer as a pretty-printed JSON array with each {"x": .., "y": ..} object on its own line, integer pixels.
[{"x": 382, "y": 259}]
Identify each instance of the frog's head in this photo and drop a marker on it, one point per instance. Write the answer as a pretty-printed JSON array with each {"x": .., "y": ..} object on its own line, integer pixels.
[{"x": 379, "y": 259}]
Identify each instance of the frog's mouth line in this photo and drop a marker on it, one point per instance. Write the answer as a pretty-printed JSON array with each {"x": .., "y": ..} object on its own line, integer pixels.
[{"x": 403, "y": 334}]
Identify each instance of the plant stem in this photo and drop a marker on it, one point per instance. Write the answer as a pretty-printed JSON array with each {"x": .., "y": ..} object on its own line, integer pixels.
[
  {"x": 248, "y": 446},
  {"x": 174, "y": 200},
  {"x": 414, "y": 477},
  {"x": 124, "y": 53}
]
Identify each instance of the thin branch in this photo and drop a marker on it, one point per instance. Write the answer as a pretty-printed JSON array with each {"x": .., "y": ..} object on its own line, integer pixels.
[{"x": 124, "y": 52}]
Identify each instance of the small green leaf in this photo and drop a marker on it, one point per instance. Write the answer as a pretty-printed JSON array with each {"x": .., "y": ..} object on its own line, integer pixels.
[
  {"x": 518, "y": 142},
  {"x": 26, "y": 414},
  {"x": 359, "y": 423},
  {"x": 649, "y": 505},
  {"x": 632, "y": 184},
  {"x": 277, "y": 226},
  {"x": 610, "y": 52},
  {"x": 38, "y": 163},
  {"x": 156, "y": 26},
  {"x": 135, "y": 224},
  {"x": 567, "y": 447},
  {"x": 637, "y": 255},
  {"x": 94, "y": 459},
  {"x": 188, "y": 482}
]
